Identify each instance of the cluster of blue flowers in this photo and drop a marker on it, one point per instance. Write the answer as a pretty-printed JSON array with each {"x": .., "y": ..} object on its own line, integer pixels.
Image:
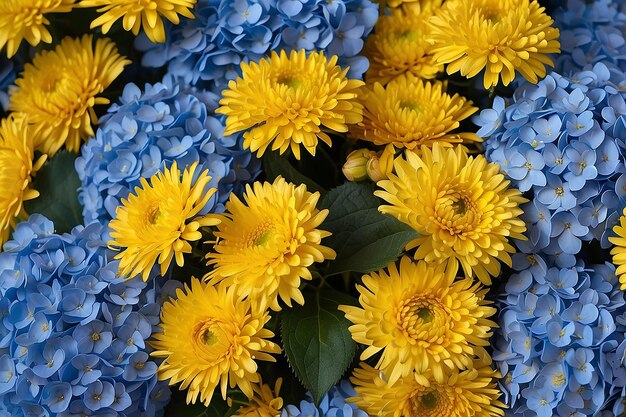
[
  {"x": 207, "y": 50},
  {"x": 73, "y": 333},
  {"x": 333, "y": 404},
  {"x": 151, "y": 129},
  {"x": 591, "y": 32},
  {"x": 562, "y": 141},
  {"x": 561, "y": 344}
]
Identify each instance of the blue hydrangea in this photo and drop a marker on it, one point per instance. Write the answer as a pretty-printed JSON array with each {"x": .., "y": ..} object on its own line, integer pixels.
[
  {"x": 561, "y": 141},
  {"x": 561, "y": 345},
  {"x": 150, "y": 129},
  {"x": 591, "y": 32},
  {"x": 207, "y": 50},
  {"x": 8, "y": 74},
  {"x": 73, "y": 333},
  {"x": 333, "y": 404}
]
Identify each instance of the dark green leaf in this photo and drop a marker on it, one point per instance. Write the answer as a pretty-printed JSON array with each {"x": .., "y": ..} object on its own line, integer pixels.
[
  {"x": 317, "y": 341},
  {"x": 57, "y": 183},
  {"x": 364, "y": 238},
  {"x": 217, "y": 408},
  {"x": 274, "y": 165}
]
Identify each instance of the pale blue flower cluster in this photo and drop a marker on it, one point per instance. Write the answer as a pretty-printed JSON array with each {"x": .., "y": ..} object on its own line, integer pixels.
[
  {"x": 560, "y": 346},
  {"x": 562, "y": 141},
  {"x": 207, "y": 50},
  {"x": 73, "y": 334},
  {"x": 149, "y": 130},
  {"x": 591, "y": 32},
  {"x": 334, "y": 404}
]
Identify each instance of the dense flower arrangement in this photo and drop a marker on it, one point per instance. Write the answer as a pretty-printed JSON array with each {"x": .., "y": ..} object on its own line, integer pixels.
[{"x": 310, "y": 208}]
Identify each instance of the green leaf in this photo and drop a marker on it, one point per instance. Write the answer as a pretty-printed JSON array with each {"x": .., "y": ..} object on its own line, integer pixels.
[
  {"x": 317, "y": 341},
  {"x": 274, "y": 165},
  {"x": 364, "y": 238},
  {"x": 218, "y": 407},
  {"x": 57, "y": 183}
]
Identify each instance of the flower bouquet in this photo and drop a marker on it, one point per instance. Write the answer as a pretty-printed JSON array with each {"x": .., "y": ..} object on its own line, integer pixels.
[{"x": 312, "y": 208}]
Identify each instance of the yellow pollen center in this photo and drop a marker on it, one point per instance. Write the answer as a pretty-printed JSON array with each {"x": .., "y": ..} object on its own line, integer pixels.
[
  {"x": 558, "y": 379},
  {"x": 409, "y": 105},
  {"x": 560, "y": 192},
  {"x": 532, "y": 260},
  {"x": 429, "y": 400},
  {"x": 409, "y": 34},
  {"x": 528, "y": 165},
  {"x": 291, "y": 82},
  {"x": 95, "y": 336},
  {"x": 153, "y": 214}
]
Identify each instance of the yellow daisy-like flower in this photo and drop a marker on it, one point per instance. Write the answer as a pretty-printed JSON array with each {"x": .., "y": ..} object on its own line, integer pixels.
[
  {"x": 286, "y": 101},
  {"x": 421, "y": 319},
  {"x": 58, "y": 91},
  {"x": 135, "y": 13},
  {"x": 465, "y": 393},
  {"x": 409, "y": 112},
  {"x": 500, "y": 36},
  {"x": 399, "y": 45},
  {"x": 25, "y": 19},
  {"x": 157, "y": 222},
  {"x": 265, "y": 403},
  {"x": 16, "y": 171},
  {"x": 211, "y": 337},
  {"x": 266, "y": 244},
  {"x": 461, "y": 206},
  {"x": 619, "y": 251}
]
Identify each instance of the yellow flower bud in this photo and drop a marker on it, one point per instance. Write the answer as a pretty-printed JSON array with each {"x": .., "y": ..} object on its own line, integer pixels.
[
  {"x": 355, "y": 167},
  {"x": 380, "y": 166}
]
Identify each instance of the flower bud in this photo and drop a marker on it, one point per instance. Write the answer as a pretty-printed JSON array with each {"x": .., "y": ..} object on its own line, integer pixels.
[
  {"x": 380, "y": 166},
  {"x": 355, "y": 167}
]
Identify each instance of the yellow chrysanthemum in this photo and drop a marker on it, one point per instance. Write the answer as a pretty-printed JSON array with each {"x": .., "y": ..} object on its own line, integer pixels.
[
  {"x": 211, "y": 337},
  {"x": 157, "y": 222},
  {"x": 461, "y": 206},
  {"x": 266, "y": 244},
  {"x": 25, "y": 19},
  {"x": 409, "y": 112},
  {"x": 501, "y": 36},
  {"x": 16, "y": 170},
  {"x": 399, "y": 45},
  {"x": 135, "y": 13},
  {"x": 619, "y": 251},
  {"x": 456, "y": 394},
  {"x": 421, "y": 319},
  {"x": 265, "y": 403},
  {"x": 58, "y": 90},
  {"x": 285, "y": 101}
]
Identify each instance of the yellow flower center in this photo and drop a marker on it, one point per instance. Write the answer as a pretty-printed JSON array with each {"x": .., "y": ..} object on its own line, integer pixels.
[
  {"x": 263, "y": 234},
  {"x": 420, "y": 318},
  {"x": 409, "y": 34},
  {"x": 204, "y": 334},
  {"x": 455, "y": 212},
  {"x": 410, "y": 106},
  {"x": 558, "y": 379},
  {"x": 430, "y": 403},
  {"x": 153, "y": 213},
  {"x": 292, "y": 83}
]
